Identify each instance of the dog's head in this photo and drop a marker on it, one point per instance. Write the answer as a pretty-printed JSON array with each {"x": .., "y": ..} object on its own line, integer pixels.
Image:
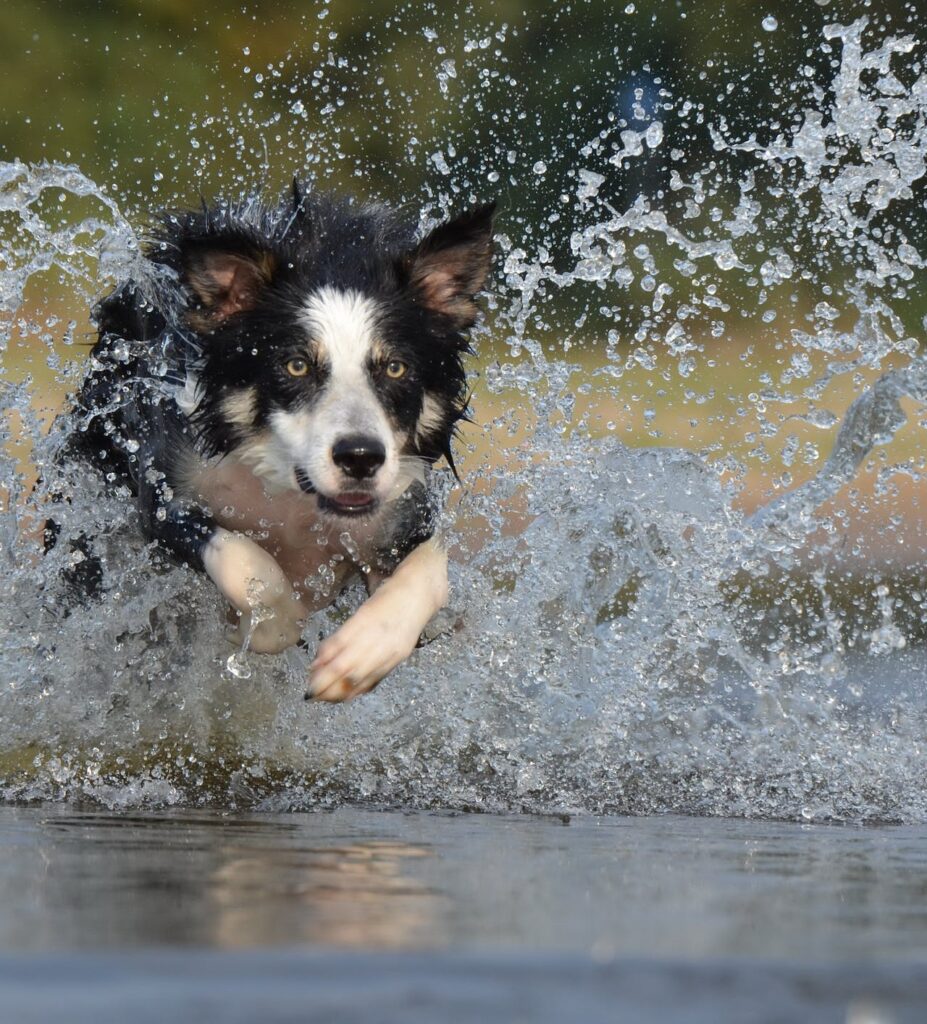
[{"x": 331, "y": 340}]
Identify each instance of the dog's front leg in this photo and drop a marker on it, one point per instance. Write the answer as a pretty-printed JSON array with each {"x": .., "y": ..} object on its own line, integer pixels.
[
  {"x": 384, "y": 630},
  {"x": 254, "y": 584}
]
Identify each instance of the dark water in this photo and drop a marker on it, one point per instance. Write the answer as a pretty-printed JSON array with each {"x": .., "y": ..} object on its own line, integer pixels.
[{"x": 370, "y": 916}]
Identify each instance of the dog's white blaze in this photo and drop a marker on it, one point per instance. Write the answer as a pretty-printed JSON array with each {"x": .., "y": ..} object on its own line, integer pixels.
[{"x": 342, "y": 324}]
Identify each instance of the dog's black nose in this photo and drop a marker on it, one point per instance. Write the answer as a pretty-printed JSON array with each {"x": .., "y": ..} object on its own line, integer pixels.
[{"x": 358, "y": 457}]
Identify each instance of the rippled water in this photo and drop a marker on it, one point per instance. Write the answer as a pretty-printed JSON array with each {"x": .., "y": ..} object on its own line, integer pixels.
[
  {"x": 90, "y": 880},
  {"x": 353, "y": 916},
  {"x": 626, "y": 638}
]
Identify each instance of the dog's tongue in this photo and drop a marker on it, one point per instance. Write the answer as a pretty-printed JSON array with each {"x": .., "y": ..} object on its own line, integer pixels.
[{"x": 353, "y": 499}]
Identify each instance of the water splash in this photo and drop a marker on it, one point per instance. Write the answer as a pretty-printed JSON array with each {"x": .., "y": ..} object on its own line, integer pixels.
[{"x": 624, "y": 637}]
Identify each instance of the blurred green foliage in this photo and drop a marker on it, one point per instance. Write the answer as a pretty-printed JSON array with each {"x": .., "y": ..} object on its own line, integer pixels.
[{"x": 125, "y": 87}]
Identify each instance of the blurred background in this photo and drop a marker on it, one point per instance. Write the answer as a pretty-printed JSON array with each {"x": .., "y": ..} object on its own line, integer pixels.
[{"x": 566, "y": 112}]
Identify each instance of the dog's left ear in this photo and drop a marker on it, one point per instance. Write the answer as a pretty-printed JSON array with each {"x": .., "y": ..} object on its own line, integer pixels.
[{"x": 449, "y": 267}]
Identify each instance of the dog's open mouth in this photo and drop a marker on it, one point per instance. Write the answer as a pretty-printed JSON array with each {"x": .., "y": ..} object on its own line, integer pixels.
[{"x": 348, "y": 503}]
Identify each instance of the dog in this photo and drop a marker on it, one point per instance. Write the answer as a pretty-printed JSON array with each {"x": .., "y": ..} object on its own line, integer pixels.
[{"x": 274, "y": 390}]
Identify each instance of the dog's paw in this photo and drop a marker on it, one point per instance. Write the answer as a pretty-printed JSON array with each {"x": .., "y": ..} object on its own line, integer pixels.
[{"x": 364, "y": 650}]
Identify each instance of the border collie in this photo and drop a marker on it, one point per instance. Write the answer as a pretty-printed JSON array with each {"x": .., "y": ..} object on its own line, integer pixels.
[{"x": 275, "y": 393}]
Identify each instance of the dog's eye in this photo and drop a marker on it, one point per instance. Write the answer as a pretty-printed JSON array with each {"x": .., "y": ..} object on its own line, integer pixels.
[
  {"x": 297, "y": 367},
  {"x": 395, "y": 369}
]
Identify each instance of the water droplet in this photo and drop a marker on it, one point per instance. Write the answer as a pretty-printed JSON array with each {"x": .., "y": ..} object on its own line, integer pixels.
[
  {"x": 770, "y": 23},
  {"x": 238, "y": 666},
  {"x": 654, "y": 134},
  {"x": 589, "y": 183}
]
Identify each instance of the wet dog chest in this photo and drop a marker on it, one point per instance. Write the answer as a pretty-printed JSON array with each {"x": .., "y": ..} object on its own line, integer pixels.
[{"x": 287, "y": 524}]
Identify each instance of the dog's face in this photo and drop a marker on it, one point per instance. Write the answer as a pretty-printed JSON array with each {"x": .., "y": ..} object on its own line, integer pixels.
[{"x": 331, "y": 342}]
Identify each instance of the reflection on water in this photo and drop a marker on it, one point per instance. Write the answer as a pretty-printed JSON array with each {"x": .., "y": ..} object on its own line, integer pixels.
[
  {"x": 350, "y": 879},
  {"x": 356, "y": 894},
  {"x": 219, "y": 881}
]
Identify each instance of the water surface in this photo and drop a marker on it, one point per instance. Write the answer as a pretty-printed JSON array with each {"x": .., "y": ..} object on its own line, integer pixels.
[
  {"x": 663, "y": 886},
  {"x": 361, "y": 915}
]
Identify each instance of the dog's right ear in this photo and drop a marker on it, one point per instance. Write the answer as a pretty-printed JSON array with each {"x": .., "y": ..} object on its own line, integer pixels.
[{"x": 225, "y": 281}]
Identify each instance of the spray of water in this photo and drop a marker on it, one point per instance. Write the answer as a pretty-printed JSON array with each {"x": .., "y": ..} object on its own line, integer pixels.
[{"x": 625, "y": 637}]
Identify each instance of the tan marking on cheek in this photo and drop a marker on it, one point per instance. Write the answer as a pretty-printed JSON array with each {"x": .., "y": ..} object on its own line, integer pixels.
[
  {"x": 430, "y": 418},
  {"x": 239, "y": 407}
]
